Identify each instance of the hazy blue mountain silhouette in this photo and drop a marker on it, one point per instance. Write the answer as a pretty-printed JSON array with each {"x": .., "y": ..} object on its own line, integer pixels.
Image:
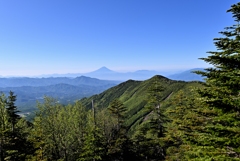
[
  {"x": 105, "y": 73},
  {"x": 102, "y": 70},
  {"x": 188, "y": 75},
  {"x": 82, "y": 80},
  {"x": 66, "y": 90}
]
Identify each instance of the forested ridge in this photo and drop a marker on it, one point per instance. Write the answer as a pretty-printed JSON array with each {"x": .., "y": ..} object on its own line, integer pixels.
[
  {"x": 66, "y": 90},
  {"x": 156, "y": 119}
]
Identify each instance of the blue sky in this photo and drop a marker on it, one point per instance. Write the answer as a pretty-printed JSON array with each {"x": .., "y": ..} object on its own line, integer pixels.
[{"x": 76, "y": 36}]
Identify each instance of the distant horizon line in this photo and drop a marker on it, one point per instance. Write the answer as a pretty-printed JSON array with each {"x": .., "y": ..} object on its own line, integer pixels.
[{"x": 172, "y": 71}]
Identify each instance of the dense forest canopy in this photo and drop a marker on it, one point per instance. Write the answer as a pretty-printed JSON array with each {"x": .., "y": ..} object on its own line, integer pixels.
[{"x": 157, "y": 119}]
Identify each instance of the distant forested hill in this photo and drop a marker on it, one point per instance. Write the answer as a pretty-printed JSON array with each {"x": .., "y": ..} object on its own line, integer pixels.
[{"x": 65, "y": 90}]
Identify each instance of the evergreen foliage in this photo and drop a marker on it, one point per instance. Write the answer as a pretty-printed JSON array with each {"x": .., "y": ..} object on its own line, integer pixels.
[
  {"x": 13, "y": 131},
  {"x": 221, "y": 95},
  {"x": 12, "y": 109},
  {"x": 154, "y": 103},
  {"x": 4, "y": 126},
  {"x": 184, "y": 126},
  {"x": 119, "y": 139},
  {"x": 118, "y": 110},
  {"x": 93, "y": 146},
  {"x": 149, "y": 135}
]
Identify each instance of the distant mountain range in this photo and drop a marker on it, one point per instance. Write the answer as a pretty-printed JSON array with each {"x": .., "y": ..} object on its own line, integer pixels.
[
  {"x": 26, "y": 81},
  {"x": 106, "y": 74},
  {"x": 65, "y": 90},
  {"x": 188, "y": 75}
]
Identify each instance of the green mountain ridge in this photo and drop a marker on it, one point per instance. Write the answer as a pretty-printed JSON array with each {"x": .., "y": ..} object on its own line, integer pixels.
[{"x": 134, "y": 96}]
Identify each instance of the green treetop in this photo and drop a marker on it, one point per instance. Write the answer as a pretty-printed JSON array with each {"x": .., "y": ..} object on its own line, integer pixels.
[{"x": 221, "y": 94}]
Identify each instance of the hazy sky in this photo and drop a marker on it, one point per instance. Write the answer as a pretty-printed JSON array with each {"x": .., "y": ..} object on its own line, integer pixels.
[{"x": 75, "y": 36}]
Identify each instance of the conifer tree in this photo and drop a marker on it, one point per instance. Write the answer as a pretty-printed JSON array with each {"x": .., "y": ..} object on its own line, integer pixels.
[
  {"x": 118, "y": 110},
  {"x": 221, "y": 136},
  {"x": 14, "y": 131},
  {"x": 151, "y": 131},
  {"x": 13, "y": 134},
  {"x": 12, "y": 109},
  {"x": 93, "y": 146},
  {"x": 185, "y": 125},
  {"x": 4, "y": 126},
  {"x": 117, "y": 148},
  {"x": 154, "y": 103},
  {"x": 157, "y": 120}
]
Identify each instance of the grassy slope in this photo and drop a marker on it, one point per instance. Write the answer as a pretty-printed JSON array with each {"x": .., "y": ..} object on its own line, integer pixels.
[{"x": 134, "y": 96}]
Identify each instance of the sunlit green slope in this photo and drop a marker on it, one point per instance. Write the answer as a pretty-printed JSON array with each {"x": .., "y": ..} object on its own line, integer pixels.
[{"x": 134, "y": 96}]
